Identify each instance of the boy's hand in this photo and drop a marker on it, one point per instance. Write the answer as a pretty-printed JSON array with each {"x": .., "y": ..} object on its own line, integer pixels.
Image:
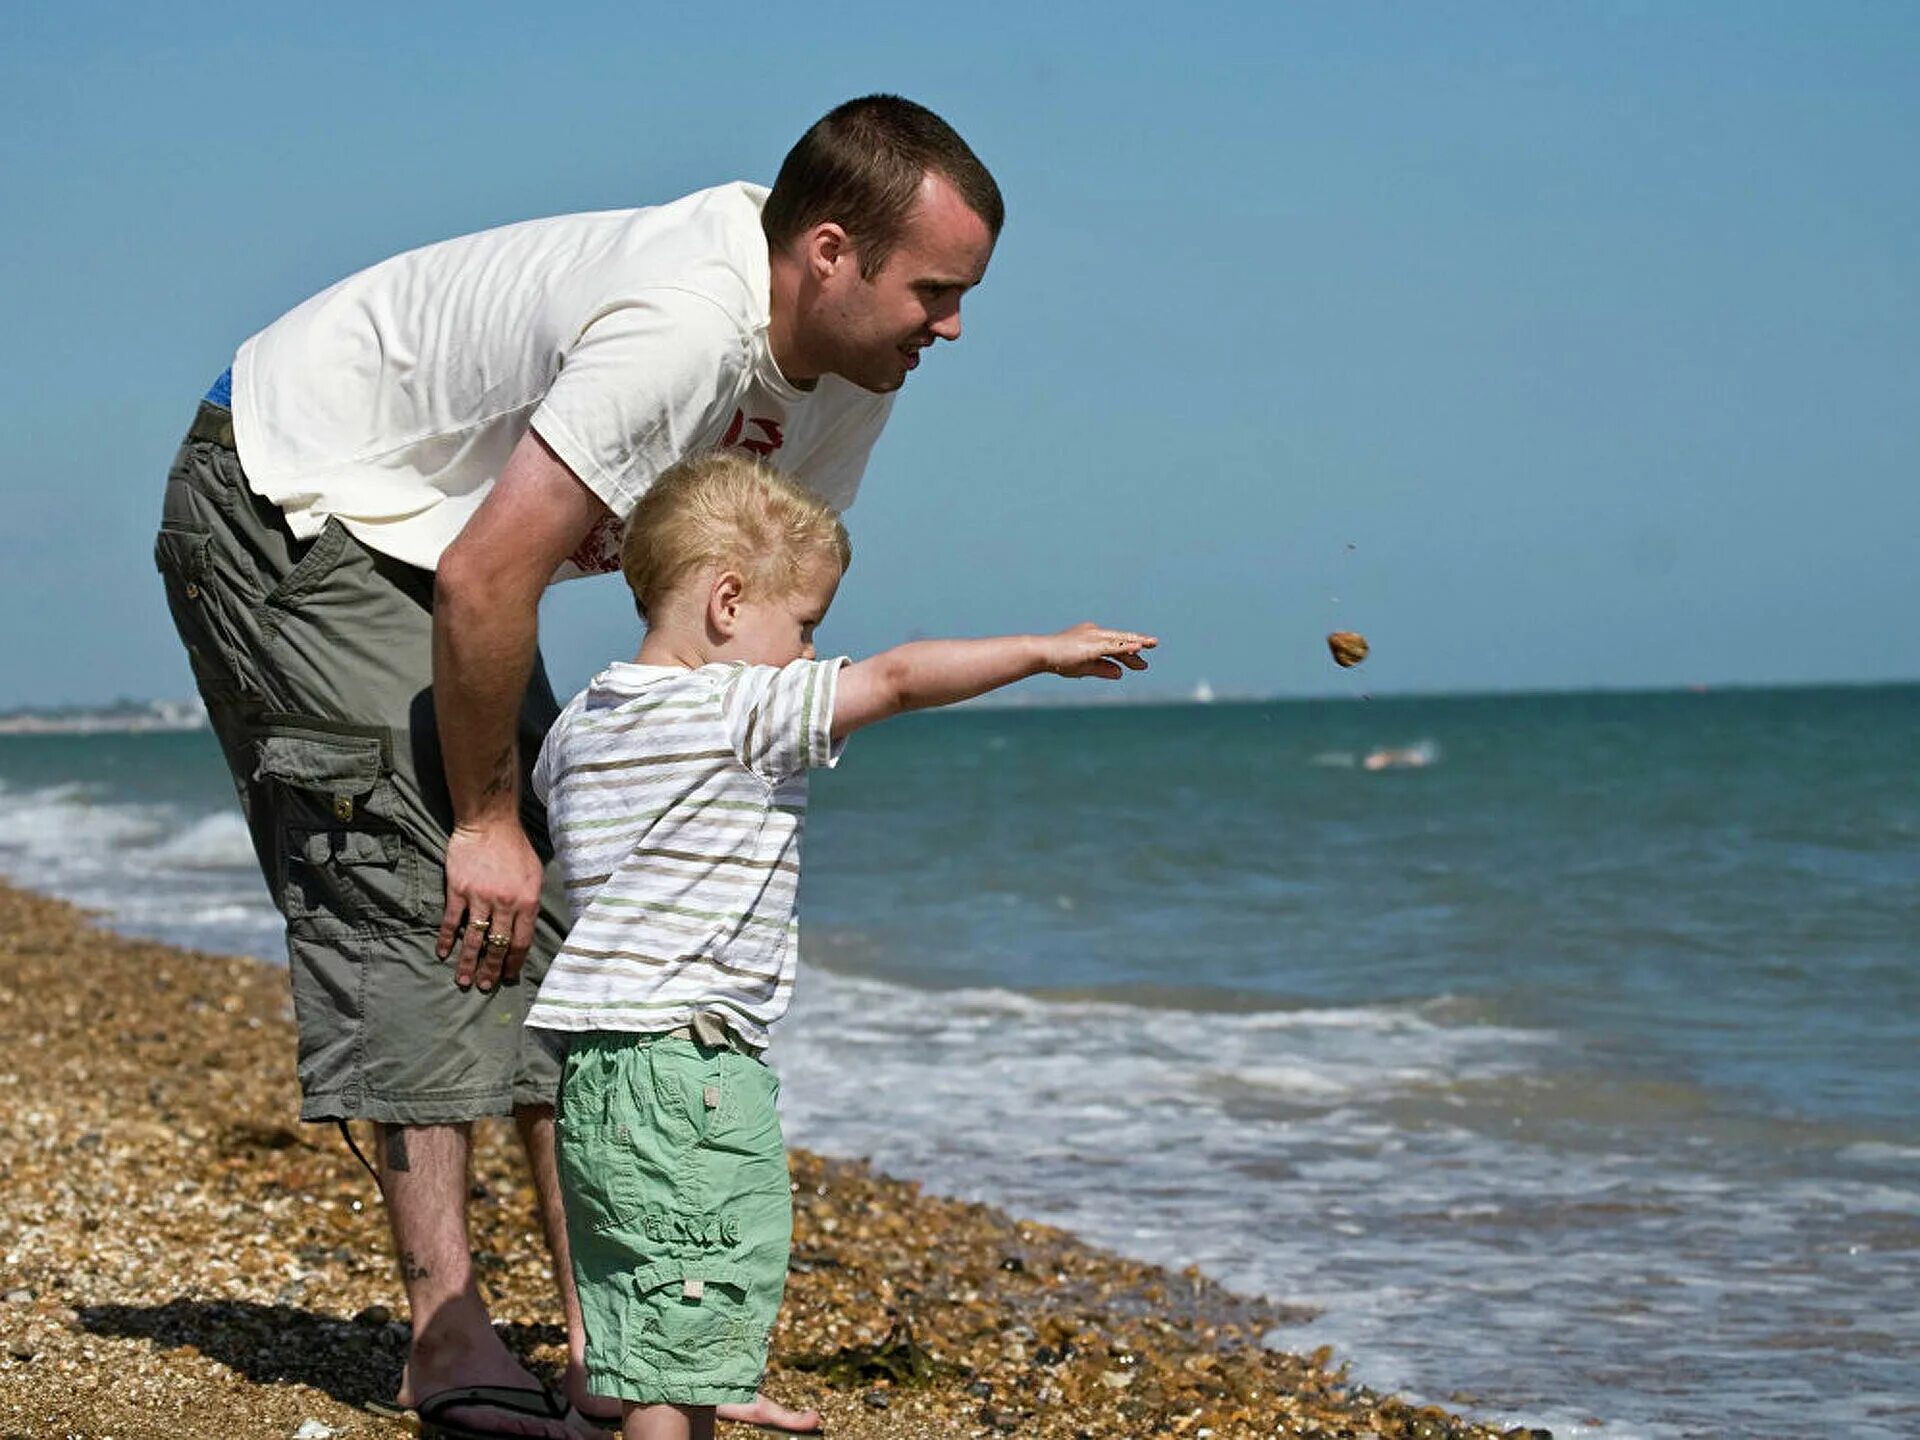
[
  {"x": 1090, "y": 651},
  {"x": 924, "y": 673}
]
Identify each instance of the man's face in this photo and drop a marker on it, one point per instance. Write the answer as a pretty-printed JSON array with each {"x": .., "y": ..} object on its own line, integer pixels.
[{"x": 871, "y": 332}]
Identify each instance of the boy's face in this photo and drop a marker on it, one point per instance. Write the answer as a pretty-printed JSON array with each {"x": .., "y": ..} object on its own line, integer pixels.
[{"x": 778, "y": 629}]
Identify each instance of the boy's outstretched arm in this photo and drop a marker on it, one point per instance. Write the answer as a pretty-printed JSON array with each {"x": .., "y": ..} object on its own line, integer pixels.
[{"x": 926, "y": 673}]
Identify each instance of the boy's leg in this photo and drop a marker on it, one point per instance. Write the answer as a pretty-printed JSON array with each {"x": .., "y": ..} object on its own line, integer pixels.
[
  {"x": 535, "y": 1123},
  {"x": 667, "y": 1422},
  {"x": 679, "y": 1269}
]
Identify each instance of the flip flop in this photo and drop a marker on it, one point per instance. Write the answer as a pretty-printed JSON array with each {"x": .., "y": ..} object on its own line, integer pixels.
[
  {"x": 425, "y": 1419},
  {"x": 404, "y": 1415}
]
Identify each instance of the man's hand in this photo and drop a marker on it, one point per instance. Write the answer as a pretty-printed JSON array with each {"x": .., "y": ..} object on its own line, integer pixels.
[
  {"x": 493, "y": 883},
  {"x": 1090, "y": 651}
]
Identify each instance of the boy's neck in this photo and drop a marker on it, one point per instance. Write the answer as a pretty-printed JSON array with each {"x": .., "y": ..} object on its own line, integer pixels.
[{"x": 661, "y": 645}]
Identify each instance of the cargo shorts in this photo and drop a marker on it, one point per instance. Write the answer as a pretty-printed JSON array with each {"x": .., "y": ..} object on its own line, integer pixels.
[
  {"x": 314, "y": 659},
  {"x": 679, "y": 1214}
]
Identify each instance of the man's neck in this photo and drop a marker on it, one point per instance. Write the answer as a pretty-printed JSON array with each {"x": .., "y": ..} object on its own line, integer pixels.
[{"x": 783, "y": 322}]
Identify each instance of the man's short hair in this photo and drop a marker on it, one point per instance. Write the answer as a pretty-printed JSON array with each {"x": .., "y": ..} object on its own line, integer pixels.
[
  {"x": 728, "y": 510},
  {"x": 861, "y": 166}
]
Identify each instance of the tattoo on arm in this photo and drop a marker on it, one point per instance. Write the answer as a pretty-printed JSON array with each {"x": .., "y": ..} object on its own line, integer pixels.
[
  {"x": 504, "y": 776},
  {"x": 411, "y": 1268},
  {"x": 393, "y": 1140}
]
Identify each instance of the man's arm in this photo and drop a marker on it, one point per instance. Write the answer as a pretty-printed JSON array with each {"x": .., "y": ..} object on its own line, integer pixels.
[
  {"x": 926, "y": 673},
  {"x": 486, "y": 604}
]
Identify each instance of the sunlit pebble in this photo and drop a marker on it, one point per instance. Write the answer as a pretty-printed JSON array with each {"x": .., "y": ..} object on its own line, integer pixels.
[{"x": 1348, "y": 648}]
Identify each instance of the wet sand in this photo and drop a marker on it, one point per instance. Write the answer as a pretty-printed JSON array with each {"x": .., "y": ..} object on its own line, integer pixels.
[{"x": 179, "y": 1257}]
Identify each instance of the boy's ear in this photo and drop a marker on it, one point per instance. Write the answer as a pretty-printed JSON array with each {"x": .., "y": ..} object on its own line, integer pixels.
[{"x": 723, "y": 602}]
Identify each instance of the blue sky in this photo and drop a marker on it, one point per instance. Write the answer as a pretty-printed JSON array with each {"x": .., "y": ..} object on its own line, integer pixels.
[{"x": 1550, "y": 346}]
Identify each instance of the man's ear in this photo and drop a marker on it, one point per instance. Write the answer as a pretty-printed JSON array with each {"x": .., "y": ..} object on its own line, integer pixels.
[
  {"x": 723, "y": 602},
  {"x": 827, "y": 247}
]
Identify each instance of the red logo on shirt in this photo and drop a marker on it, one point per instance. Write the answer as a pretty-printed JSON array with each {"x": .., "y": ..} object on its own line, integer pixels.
[
  {"x": 599, "y": 549},
  {"x": 769, "y": 438}
]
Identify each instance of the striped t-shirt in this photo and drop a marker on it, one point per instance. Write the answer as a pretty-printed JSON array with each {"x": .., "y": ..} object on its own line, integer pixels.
[{"x": 676, "y": 799}]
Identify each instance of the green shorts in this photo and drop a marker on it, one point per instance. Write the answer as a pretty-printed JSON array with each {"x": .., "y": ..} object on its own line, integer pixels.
[
  {"x": 315, "y": 659},
  {"x": 679, "y": 1214}
]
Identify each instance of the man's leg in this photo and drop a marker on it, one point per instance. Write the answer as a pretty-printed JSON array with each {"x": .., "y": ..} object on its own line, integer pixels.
[
  {"x": 423, "y": 1175},
  {"x": 314, "y": 723},
  {"x": 535, "y": 1123}
]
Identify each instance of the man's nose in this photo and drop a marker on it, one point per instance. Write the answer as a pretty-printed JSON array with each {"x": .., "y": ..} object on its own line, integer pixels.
[{"x": 947, "y": 327}]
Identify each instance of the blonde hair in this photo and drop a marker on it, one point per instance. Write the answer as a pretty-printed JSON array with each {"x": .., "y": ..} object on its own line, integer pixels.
[{"x": 727, "y": 510}]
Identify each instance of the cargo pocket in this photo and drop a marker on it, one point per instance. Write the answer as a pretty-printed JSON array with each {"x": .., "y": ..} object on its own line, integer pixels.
[
  {"x": 619, "y": 1154},
  {"x": 691, "y": 1318},
  {"x": 215, "y": 648},
  {"x": 340, "y": 861}
]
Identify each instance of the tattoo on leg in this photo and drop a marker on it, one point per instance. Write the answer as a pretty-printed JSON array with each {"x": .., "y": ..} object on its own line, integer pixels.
[
  {"x": 411, "y": 1269},
  {"x": 394, "y": 1142}
]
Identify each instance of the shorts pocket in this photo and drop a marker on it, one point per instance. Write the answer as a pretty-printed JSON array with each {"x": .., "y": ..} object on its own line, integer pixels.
[
  {"x": 618, "y": 1161},
  {"x": 615, "y": 1178},
  {"x": 339, "y": 860},
  {"x": 313, "y": 566},
  {"x": 184, "y": 557},
  {"x": 691, "y": 1317},
  {"x": 745, "y": 1124}
]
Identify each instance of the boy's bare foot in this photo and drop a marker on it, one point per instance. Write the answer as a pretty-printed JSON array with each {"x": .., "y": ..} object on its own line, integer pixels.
[
  {"x": 767, "y": 1414},
  {"x": 772, "y": 1415}
]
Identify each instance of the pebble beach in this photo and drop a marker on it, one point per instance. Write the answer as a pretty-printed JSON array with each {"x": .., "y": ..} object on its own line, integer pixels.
[{"x": 179, "y": 1257}]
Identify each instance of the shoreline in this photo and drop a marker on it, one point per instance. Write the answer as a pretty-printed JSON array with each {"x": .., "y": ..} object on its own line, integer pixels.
[{"x": 181, "y": 1256}]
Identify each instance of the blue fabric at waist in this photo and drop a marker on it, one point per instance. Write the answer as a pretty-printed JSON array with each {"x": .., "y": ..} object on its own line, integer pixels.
[{"x": 221, "y": 393}]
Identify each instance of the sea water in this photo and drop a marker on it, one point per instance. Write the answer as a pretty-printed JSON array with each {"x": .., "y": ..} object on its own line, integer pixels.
[{"x": 1565, "y": 1051}]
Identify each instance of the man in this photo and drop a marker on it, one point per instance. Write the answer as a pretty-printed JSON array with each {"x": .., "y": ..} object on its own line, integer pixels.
[{"x": 354, "y": 553}]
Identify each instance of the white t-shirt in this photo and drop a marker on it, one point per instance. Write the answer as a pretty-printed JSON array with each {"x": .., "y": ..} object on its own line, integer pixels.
[
  {"x": 628, "y": 339},
  {"x": 676, "y": 799}
]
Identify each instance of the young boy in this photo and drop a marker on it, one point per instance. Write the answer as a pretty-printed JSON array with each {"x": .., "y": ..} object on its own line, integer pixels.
[{"x": 675, "y": 787}]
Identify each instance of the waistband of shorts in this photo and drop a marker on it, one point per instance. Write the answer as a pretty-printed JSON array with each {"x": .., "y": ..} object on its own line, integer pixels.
[
  {"x": 711, "y": 1034},
  {"x": 213, "y": 424},
  {"x": 619, "y": 1040}
]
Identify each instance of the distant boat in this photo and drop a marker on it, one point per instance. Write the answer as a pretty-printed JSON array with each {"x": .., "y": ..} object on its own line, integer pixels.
[
  {"x": 1203, "y": 694},
  {"x": 1404, "y": 757}
]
